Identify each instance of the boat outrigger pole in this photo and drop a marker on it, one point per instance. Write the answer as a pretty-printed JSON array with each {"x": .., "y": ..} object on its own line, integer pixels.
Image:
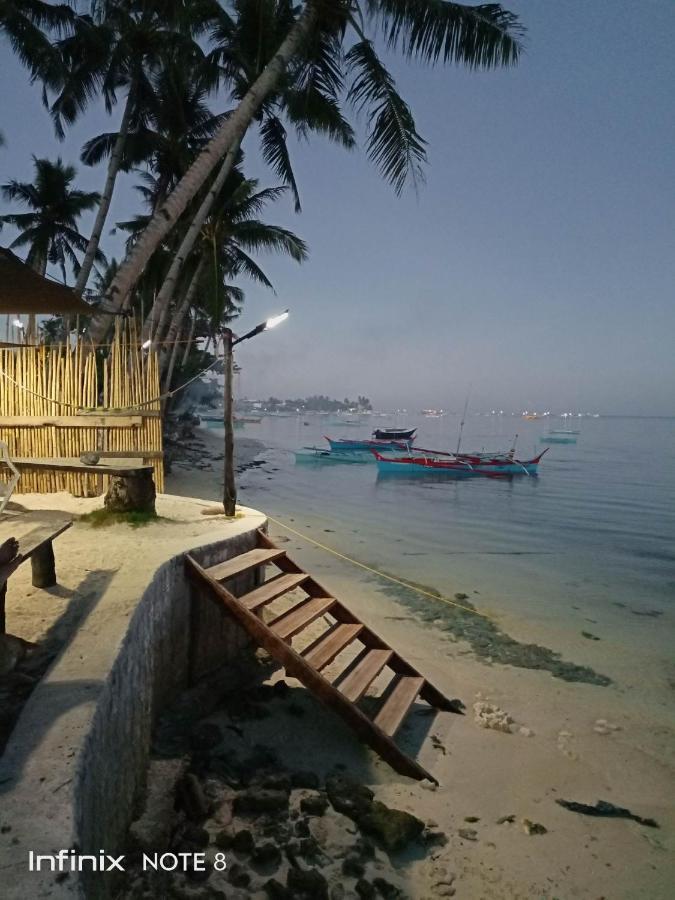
[{"x": 461, "y": 424}]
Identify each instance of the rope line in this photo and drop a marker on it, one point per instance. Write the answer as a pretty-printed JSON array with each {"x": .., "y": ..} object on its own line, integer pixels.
[{"x": 393, "y": 579}]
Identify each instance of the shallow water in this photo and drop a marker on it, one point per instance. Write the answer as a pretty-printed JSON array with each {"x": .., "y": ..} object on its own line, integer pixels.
[{"x": 587, "y": 545}]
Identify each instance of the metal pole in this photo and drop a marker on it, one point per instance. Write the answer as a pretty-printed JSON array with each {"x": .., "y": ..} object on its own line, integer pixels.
[{"x": 230, "y": 490}]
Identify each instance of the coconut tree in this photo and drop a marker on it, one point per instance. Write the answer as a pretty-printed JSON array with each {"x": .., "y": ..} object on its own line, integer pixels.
[
  {"x": 430, "y": 31},
  {"x": 49, "y": 229},
  {"x": 29, "y": 26},
  {"x": 118, "y": 50}
]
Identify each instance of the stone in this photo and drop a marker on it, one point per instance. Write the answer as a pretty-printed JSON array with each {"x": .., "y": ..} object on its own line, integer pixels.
[
  {"x": 258, "y": 800},
  {"x": 348, "y": 797},
  {"x": 267, "y": 854},
  {"x": 275, "y": 890},
  {"x": 365, "y": 889},
  {"x": 314, "y": 805},
  {"x": 305, "y": 779},
  {"x": 301, "y": 828},
  {"x": 352, "y": 866},
  {"x": 243, "y": 841},
  {"x": 273, "y": 781},
  {"x": 394, "y": 828},
  {"x": 238, "y": 876},
  {"x": 337, "y": 892},
  {"x": 469, "y": 834},
  {"x": 364, "y": 848},
  {"x": 206, "y": 736},
  {"x": 196, "y": 835},
  {"x": 504, "y": 819},
  {"x": 306, "y": 884},
  {"x": 533, "y": 827},
  {"x": 386, "y": 889},
  {"x": 224, "y": 838},
  {"x": 488, "y": 715},
  {"x": 525, "y": 732}
]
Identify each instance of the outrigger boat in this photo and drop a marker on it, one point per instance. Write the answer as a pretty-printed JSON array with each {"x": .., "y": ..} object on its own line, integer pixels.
[
  {"x": 322, "y": 455},
  {"x": 394, "y": 434},
  {"x": 464, "y": 465},
  {"x": 342, "y": 444}
]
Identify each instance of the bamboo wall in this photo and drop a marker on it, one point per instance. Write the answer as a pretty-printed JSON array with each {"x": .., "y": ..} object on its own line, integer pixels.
[{"x": 60, "y": 389}]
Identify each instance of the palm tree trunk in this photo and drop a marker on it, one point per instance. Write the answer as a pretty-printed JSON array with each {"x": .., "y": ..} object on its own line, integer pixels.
[
  {"x": 232, "y": 130},
  {"x": 161, "y": 304},
  {"x": 190, "y": 338},
  {"x": 177, "y": 322},
  {"x": 106, "y": 197}
]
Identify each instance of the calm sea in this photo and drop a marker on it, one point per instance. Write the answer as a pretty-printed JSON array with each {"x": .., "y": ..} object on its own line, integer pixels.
[{"x": 590, "y": 540}]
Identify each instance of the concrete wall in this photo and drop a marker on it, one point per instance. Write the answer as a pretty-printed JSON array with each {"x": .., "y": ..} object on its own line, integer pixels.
[{"x": 97, "y": 757}]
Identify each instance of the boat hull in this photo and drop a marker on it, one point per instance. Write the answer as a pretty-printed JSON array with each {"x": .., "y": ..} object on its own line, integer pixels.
[
  {"x": 392, "y": 434},
  {"x": 456, "y": 468},
  {"x": 557, "y": 439}
]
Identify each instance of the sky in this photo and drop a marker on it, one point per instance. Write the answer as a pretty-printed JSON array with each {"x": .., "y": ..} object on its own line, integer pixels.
[{"x": 537, "y": 263}]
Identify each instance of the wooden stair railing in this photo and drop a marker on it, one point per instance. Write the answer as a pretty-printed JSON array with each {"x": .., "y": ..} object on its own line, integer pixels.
[{"x": 340, "y": 691}]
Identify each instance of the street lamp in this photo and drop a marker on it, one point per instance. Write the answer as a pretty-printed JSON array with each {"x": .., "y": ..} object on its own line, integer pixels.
[{"x": 230, "y": 341}]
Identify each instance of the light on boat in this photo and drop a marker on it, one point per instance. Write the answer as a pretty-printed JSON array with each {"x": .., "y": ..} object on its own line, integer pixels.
[{"x": 276, "y": 320}]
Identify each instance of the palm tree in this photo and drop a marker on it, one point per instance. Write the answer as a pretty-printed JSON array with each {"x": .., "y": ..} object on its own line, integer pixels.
[
  {"x": 28, "y": 26},
  {"x": 230, "y": 235},
  {"x": 120, "y": 48},
  {"x": 305, "y": 100},
  {"x": 327, "y": 39},
  {"x": 49, "y": 230}
]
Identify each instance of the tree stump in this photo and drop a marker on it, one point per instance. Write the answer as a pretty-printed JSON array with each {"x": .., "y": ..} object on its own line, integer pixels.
[
  {"x": 43, "y": 566},
  {"x": 131, "y": 493}
]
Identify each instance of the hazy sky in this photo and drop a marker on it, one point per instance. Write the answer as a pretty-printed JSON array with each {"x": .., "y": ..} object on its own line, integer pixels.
[{"x": 537, "y": 263}]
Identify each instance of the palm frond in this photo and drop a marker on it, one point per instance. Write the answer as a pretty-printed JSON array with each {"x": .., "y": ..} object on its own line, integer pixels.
[
  {"x": 484, "y": 36},
  {"x": 254, "y": 235},
  {"x": 393, "y": 143},
  {"x": 275, "y": 153}
]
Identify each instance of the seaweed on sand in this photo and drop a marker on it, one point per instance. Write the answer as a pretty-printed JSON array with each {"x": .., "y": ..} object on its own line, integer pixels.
[{"x": 487, "y": 640}]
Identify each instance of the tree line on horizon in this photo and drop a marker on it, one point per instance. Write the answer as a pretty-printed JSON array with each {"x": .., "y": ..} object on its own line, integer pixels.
[{"x": 275, "y": 69}]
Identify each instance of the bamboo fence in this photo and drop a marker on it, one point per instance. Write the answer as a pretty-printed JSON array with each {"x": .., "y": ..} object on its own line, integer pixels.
[{"x": 51, "y": 391}]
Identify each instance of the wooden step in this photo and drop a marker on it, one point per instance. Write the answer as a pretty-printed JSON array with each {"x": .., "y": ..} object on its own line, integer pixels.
[
  {"x": 243, "y": 563},
  {"x": 398, "y": 703},
  {"x": 362, "y": 676},
  {"x": 302, "y": 615},
  {"x": 324, "y": 650},
  {"x": 272, "y": 589}
]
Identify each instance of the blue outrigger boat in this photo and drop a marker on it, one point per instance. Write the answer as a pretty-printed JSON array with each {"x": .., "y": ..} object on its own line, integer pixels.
[
  {"x": 457, "y": 465},
  {"x": 344, "y": 444}
]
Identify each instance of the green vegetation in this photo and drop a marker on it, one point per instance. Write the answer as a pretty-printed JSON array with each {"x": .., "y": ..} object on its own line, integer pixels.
[{"x": 101, "y": 518}]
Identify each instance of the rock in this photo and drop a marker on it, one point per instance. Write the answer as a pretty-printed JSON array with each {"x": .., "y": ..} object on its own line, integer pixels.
[
  {"x": 348, "y": 797},
  {"x": 309, "y": 849},
  {"x": 275, "y": 890},
  {"x": 152, "y": 830},
  {"x": 301, "y": 828},
  {"x": 193, "y": 799},
  {"x": 471, "y": 819},
  {"x": 469, "y": 834},
  {"x": 196, "y": 835},
  {"x": 510, "y": 819},
  {"x": 205, "y": 736},
  {"x": 305, "y": 779},
  {"x": 306, "y": 884},
  {"x": 243, "y": 841},
  {"x": 238, "y": 876},
  {"x": 525, "y": 732},
  {"x": 352, "y": 866},
  {"x": 392, "y": 827},
  {"x": 533, "y": 827},
  {"x": 281, "y": 688},
  {"x": 461, "y": 596},
  {"x": 267, "y": 854},
  {"x": 257, "y": 800},
  {"x": 314, "y": 805},
  {"x": 386, "y": 889},
  {"x": 364, "y": 848},
  {"x": 435, "y": 838},
  {"x": 602, "y": 726},
  {"x": 273, "y": 781},
  {"x": 337, "y": 892},
  {"x": 365, "y": 889},
  {"x": 489, "y": 716},
  {"x": 224, "y": 838}
]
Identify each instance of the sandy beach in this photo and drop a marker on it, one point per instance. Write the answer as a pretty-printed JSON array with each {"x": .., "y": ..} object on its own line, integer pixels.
[{"x": 527, "y": 740}]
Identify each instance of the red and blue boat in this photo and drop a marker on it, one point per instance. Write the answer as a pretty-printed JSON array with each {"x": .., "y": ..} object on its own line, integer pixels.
[
  {"x": 345, "y": 445},
  {"x": 460, "y": 465}
]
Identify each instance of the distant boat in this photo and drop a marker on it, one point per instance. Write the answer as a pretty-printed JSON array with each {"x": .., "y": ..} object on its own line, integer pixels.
[
  {"x": 249, "y": 419},
  {"x": 321, "y": 455},
  {"x": 433, "y": 413},
  {"x": 338, "y": 421},
  {"x": 559, "y": 438},
  {"x": 464, "y": 466},
  {"x": 394, "y": 434},
  {"x": 563, "y": 431}
]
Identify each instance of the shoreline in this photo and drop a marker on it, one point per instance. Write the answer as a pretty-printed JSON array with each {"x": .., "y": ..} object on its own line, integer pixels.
[{"x": 567, "y": 740}]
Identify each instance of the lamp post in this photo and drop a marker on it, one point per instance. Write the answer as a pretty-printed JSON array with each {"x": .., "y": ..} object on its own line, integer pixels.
[{"x": 229, "y": 342}]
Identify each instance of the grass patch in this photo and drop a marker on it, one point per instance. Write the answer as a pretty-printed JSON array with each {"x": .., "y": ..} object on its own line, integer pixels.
[
  {"x": 100, "y": 518},
  {"x": 485, "y": 637}
]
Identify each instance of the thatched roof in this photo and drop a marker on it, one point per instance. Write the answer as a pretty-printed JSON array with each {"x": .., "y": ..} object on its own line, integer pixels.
[{"x": 23, "y": 290}]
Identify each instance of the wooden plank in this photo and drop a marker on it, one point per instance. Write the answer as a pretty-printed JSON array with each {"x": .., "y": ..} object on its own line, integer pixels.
[
  {"x": 397, "y": 704},
  {"x": 134, "y": 420},
  {"x": 362, "y": 676},
  {"x": 272, "y": 589},
  {"x": 65, "y": 464},
  {"x": 238, "y": 565},
  {"x": 324, "y": 650},
  {"x": 35, "y": 539},
  {"x": 312, "y": 680},
  {"x": 302, "y": 615}
]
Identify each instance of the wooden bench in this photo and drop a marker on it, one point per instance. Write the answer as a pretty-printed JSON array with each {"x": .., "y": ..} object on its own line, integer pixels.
[
  {"x": 36, "y": 545},
  {"x": 131, "y": 487}
]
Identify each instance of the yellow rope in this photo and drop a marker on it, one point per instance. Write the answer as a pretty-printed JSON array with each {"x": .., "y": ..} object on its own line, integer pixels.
[{"x": 399, "y": 581}]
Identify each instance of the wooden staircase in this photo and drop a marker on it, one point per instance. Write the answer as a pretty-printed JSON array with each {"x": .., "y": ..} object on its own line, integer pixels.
[{"x": 369, "y": 655}]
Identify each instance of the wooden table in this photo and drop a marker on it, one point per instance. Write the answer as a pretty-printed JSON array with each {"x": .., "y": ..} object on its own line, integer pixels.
[{"x": 131, "y": 486}]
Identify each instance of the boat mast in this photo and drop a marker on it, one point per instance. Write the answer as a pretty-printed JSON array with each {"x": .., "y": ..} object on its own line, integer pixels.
[{"x": 461, "y": 424}]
